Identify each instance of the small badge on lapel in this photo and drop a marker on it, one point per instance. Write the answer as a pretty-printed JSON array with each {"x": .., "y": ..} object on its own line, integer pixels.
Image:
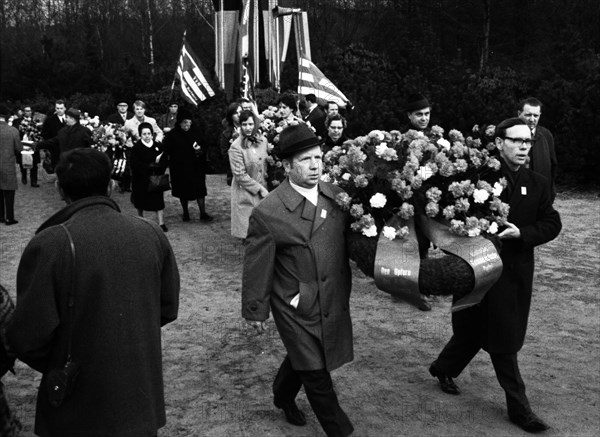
[
  {"x": 323, "y": 213},
  {"x": 523, "y": 191}
]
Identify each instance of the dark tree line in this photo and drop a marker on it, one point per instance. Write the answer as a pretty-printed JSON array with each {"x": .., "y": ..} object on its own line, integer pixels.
[{"x": 474, "y": 59}]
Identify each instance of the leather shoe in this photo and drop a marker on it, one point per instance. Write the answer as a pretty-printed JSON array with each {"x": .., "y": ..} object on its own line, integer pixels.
[
  {"x": 447, "y": 384},
  {"x": 292, "y": 413},
  {"x": 11, "y": 222},
  {"x": 35, "y": 185},
  {"x": 529, "y": 422}
]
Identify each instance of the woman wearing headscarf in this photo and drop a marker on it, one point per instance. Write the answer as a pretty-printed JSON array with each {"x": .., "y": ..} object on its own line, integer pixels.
[
  {"x": 248, "y": 161},
  {"x": 187, "y": 163}
]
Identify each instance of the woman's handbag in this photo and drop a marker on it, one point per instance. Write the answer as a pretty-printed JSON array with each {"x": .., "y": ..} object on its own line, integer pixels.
[
  {"x": 60, "y": 382},
  {"x": 158, "y": 182},
  {"x": 47, "y": 163}
]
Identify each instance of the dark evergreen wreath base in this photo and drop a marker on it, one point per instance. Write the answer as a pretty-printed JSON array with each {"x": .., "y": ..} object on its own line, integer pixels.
[{"x": 440, "y": 276}]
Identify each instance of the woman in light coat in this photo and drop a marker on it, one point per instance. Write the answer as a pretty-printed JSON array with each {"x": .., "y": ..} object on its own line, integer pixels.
[{"x": 248, "y": 161}]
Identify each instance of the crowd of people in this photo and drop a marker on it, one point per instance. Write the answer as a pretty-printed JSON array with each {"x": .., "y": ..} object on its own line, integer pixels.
[{"x": 295, "y": 266}]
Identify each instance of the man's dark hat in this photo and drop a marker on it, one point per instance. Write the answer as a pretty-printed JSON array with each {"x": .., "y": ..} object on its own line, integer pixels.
[
  {"x": 296, "y": 138},
  {"x": 183, "y": 115},
  {"x": 416, "y": 102},
  {"x": 4, "y": 110},
  {"x": 74, "y": 112}
]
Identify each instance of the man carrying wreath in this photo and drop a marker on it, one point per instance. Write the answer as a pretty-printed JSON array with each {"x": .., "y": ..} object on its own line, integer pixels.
[
  {"x": 296, "y": 265},
  {"x": 498, "y": 325}
]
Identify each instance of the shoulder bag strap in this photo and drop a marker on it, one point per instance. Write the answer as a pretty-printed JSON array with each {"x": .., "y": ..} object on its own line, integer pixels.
[{"x": 71, "y": 294}]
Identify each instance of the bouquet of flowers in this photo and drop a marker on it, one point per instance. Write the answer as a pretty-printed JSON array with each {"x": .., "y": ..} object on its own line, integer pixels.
[
  {"x": 109, "y": 138},
  {"x": 30, "y": 130}
]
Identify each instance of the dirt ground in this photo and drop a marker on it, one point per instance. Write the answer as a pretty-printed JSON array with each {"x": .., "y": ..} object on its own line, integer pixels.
[{"x": 218, "y": 374}]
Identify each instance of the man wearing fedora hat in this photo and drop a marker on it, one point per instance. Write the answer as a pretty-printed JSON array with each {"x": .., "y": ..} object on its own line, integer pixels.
[
  {"x": 418, "y": 111},
  {"x": 72, "y": 136},
  {"x": 296, "y": 266}
]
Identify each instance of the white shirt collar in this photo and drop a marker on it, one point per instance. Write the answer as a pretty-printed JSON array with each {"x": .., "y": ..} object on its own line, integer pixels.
[{"x": 312, "y": 194}]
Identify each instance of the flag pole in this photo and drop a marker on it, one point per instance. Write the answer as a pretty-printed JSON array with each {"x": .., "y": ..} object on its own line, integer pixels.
[{"x": 175, "y": 75}]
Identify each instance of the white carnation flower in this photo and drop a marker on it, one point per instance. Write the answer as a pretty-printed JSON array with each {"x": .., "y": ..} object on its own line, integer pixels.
[
  {"x": 371, "y": 231},
  {"x": 493, "y": 228},
  {"x": 325, "y": 177},
  {"x": 378, "y": 200},
  {"x": 497, "y": 189},
  {"x": 380, "y": 149},
  {"x": 480, "y": 196},
  {"x": 425, "y": 172},
  {"x": 346, "y": 176},
  {"x": 389, "y": 232},
  {"x": 443, "y": 143}
]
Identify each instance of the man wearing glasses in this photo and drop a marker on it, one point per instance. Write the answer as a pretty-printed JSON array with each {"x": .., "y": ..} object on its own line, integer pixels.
[
  {"x": 542, "y": 153},
  {"x": 498, "y": 325}
]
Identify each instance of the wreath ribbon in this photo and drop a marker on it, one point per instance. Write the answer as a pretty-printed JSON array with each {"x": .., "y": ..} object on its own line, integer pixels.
[{"x": 397, "y": 261}]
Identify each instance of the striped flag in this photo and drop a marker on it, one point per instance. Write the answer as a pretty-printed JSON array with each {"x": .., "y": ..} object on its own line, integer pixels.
[
  {"x": 313, "y": 81},
  {"x": 193, "y": 76}
]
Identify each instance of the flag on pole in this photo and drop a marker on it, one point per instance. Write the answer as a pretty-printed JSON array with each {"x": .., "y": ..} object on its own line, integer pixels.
[
  {"x": 312, "y": 81},
  {"x": 193, "y": 76}
]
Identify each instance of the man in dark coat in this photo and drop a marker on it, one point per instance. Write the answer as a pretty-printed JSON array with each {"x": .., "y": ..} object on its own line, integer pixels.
[
  {"x": 72, "y": 136},
  {"x": 122, "y": 114},
  {"x": 126, "y": 286},
  {"x": 499, "y": 323},
  {"x": 10, "y": 147},
  {"x": 315, "y": 115},
  {"x": 52, "y": 125},
  {"x": 296, "y": 265},
  {"x": 542, "y": 153}
]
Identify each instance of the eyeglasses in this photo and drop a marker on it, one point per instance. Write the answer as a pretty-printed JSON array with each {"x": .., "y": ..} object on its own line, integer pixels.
[{"x": 520, "y": 141}]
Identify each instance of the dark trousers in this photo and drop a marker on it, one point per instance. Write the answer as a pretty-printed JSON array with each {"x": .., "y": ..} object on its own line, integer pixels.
[
  {"x": 460, "y": 351},
  {"x": 33, "y": 174},
  {"x": 7, "y": 204},
  {"x": 319, "y": 391}
]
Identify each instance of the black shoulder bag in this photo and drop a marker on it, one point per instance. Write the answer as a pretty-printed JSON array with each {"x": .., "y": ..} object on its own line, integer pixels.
[{"x": 60, "y": 382}]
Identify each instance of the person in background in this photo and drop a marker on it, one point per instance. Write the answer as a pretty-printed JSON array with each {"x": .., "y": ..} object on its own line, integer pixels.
[
  {"x": 499, "y": 324},
  {"x": 288, "y": 110},
  {"x": 132, "y": 125},
  {"x": 335, "y": 124},
  {"x": 168, "y": 121},
  {"x": 542, "y": 153},
  {"x": 418, "y": 112},
  {"x": 296, "y": 266},
  {"x": 72, "y": 136},
  {"x": 126, "y": 287},
  {"x": 51, "y": 126},
  {"x": 187, "y": 163},
  {"x": 145, "y": 161},
  {"x": 25, "y": 124},
  {"x": 315, "y": 116},
  {"x": 248, "y": 160},
  {"x": 10, "y": 147},
  {"x": 122, "y": 114},
  {"x": 231, "y": 130},
  {"x": 332, "y": 108}
]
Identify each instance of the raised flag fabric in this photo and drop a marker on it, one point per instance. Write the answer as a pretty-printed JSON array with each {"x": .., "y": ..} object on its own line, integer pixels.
[
  {"x": 195, "y": 86},
  {"x": 227, "y": 66},
  {"x": 312, "y": 81}
]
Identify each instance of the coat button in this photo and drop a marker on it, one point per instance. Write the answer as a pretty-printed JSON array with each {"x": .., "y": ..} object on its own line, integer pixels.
[
  {"x": 324, "y": 278},
  {"x": 326, "y": 314},
  {"x": 253, "y": 307}
]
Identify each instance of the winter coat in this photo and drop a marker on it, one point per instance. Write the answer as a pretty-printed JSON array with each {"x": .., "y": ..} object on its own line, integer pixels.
[
  {"x": 126, "y": 287},
  {"x": 293, "y": 250},
  {"x": 187, "y": 164},
  {"x": 248, "y": 164},
  {"x": 143, "y": 164},
  {"x": 500, "y": 322},
  {"x": 543, "y": 157},
  {"x": 69, "y": 138},
  {"x": 10, "y": 148}
]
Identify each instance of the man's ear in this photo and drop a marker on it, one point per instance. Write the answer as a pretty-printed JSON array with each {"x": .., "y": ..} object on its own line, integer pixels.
[
  {"x": 60, "y": 191},
  {"x": 110, "y": 188},
  {"x": 499, "y": 143}
]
